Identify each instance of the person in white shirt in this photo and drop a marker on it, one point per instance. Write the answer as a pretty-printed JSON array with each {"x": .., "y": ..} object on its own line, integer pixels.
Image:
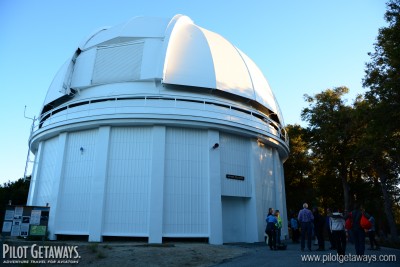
[{"x": 336, "y": 226}]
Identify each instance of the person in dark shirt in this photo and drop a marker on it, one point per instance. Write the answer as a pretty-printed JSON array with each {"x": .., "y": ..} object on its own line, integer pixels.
[
  {"x": 357, "y": 231},
  {"x": 319, "y": 222},
  {"x": 371, "y": 234},
  {"x": 294, "y": 225}
]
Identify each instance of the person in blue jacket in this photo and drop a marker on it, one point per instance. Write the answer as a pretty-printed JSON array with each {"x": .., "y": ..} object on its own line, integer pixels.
[
  {"x": 270, "y": 230},
  {"x": 294, "y": 225}
]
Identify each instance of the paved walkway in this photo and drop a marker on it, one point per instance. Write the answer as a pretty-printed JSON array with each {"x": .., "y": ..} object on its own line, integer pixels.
[{"x": 261, "y": 255}]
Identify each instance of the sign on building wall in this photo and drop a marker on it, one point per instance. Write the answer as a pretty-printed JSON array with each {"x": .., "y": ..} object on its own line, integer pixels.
[
  {"x": 235, "y": 177},
  {"x": 25, "y": 221}
]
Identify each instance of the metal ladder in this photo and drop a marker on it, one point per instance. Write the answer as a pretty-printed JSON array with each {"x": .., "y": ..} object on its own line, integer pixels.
[{"x": 29, "y": 147}]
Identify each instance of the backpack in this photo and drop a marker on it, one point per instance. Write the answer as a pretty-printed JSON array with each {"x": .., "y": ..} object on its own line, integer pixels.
[
  {"x": 349, "y": 222},
  {"x": 365, "y": 223}
]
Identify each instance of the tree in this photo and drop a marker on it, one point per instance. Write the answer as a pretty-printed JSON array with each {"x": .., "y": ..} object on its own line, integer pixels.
[
  {"x": 298, "y": 168},
  {"x": 382, "y": 77},
  {"x": 332, "y": 135},
  {"x": 306, "y": 177}
]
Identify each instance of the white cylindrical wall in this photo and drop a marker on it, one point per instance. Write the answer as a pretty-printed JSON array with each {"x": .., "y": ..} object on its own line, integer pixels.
[{"x": 117, "y": 193}]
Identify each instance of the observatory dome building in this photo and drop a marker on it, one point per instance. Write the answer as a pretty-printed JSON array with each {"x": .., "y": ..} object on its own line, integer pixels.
[{"x": 158, "y": 128}]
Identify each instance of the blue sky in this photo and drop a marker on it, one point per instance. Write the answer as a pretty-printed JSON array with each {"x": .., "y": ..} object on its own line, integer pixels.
[{"x": 301, "y": 46}]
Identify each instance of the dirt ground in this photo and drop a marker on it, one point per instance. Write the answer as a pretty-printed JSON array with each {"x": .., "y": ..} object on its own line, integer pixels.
[{"x": 134, "y": 254}]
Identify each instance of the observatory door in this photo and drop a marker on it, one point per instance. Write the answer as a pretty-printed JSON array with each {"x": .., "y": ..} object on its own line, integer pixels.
[
  {"x": 234, "y": 219},
  {"x": 236, "y": 187}
]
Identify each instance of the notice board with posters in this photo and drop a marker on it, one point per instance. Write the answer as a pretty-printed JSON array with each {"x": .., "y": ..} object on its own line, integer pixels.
[{"x": 25, "y": 221}]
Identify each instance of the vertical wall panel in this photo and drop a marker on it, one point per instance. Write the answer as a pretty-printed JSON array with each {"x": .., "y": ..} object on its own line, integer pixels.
[
  {"x": 214, "y": 178},
  {"x": 186, "y": 183},
  {"x": 33, "y": 185},
  {"x": 262, "y": 161},
  {"x": 280, "y": 197},
  {"x": 235, "y": 160},
  {"x": 128, "y": 180},
  {"x": 44, "y": 179},
  {"x": 73, "y": 210},
  {"x": 267, "y": 181}
]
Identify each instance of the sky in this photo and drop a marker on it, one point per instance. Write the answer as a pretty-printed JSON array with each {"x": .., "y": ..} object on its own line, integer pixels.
[{"x": 301, "y": 46}]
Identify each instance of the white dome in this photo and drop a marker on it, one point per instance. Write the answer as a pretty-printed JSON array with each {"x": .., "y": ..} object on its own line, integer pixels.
[{"x": 175, "y": 52}]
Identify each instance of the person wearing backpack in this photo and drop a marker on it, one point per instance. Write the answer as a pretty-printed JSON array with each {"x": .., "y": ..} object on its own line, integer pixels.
[{"x": 357, "y": 230}]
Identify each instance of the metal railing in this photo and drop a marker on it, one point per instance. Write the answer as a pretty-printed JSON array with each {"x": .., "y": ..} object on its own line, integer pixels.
[{"x": 148, "y": 101}]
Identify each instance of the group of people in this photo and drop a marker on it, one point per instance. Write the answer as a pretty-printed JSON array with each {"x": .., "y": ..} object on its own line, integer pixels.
[
  {"x": 305, "y": 223},
  {"x": 273, "y": 228}
]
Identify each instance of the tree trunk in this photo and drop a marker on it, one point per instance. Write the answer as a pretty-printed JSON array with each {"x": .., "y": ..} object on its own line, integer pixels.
[
  {"x": 387, "y": 204},
  {"x": 346, "y": 189},
  {"x": 346, "y": 193}
]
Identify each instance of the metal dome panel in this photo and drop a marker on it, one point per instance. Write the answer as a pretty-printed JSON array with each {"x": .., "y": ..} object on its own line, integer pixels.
[
  {"x": 262, "y": 90},
  {"x": 188, "y": 60},
  {"x": 201, "y": 58},
  {"x": 231, "y": 73},
  {"x": 57, "y": 86}
]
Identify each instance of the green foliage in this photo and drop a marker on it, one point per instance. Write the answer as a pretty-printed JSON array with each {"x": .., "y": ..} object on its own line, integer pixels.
[
  {"x": 333, "y": 161},
  {"x": 331, "y": 134},
  {"x": 383, "y": 72},
  {"x": 382, "y": 112},
  {"x": 16, "y": 191},
  {"x": 353, "y": 151},
  {"x": 382, "y": 102},
  {"x": 298, "y": 167}
]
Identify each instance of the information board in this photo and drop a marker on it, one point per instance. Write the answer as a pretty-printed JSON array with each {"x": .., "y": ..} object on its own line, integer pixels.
[{"x": 25, "y": 221}]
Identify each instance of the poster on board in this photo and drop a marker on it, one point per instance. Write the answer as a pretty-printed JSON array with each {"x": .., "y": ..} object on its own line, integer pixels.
[
  {"x": 15, "y": 230},
  {"x": 7, "y": 226},
  {"x": 35, "y": 217},
  {"x": 9, "y": 216},
  {"x": 38, "y": 230},
  {"x": 18, "y": 212},
  {"x": 24, "y": 230}
]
